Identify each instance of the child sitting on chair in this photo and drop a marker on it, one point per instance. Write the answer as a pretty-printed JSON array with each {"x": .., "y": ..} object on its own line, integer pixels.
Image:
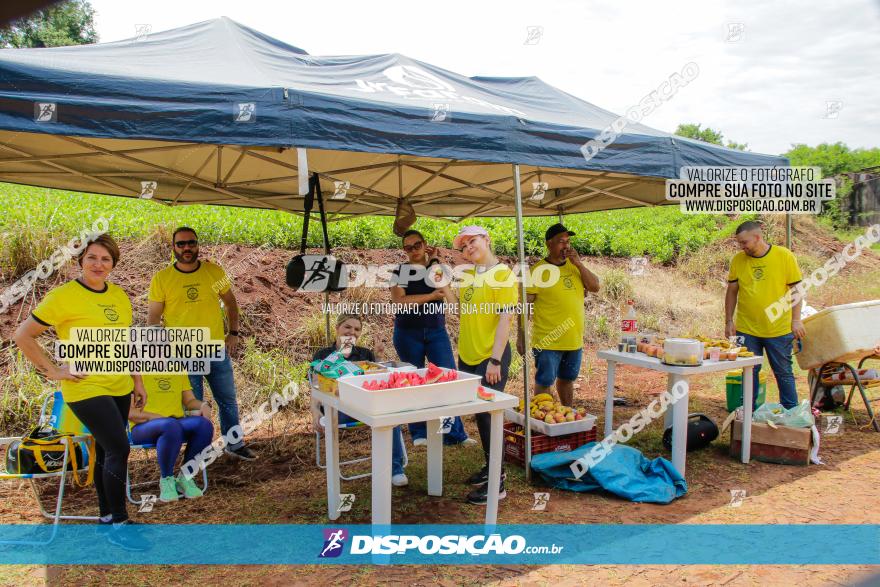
[
  {"x": 162, "y": 422},
  {"x": 348, "y": 329}
]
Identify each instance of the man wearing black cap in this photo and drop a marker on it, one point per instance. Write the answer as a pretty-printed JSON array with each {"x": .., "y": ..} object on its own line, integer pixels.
[{"x": 558, "y": 321}]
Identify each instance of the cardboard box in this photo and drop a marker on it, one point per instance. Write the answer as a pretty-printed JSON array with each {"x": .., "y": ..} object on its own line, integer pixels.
[{"x": 782, "y": 445}]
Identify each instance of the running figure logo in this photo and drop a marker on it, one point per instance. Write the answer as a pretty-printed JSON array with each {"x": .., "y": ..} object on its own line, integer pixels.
[
  {"x": 446, "y": 425},
  {"x": 318, "y": 272},
  {"x": 333, "y": 542},
  {"x": 346, "y": 500},
  {"x": 45, "y": 112},
  {"x": 541, "y": 501}
]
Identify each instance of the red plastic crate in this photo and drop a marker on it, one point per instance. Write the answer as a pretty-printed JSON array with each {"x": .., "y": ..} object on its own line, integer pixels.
[{"x": 515, "y": 442}]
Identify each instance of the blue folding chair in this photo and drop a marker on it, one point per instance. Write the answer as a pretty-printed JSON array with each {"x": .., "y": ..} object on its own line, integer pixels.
[
  {"x": 63, "y": 420},
  {"x": 129, "y": 484}
]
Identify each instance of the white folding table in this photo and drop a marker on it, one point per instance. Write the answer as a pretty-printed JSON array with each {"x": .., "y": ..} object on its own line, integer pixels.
[
  {"x": 382, "y": 428},
  {"x": 679, "y": 414}
]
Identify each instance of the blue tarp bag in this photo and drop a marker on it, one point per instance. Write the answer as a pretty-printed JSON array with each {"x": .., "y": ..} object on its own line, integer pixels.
[{"x": 624, "y": 472}]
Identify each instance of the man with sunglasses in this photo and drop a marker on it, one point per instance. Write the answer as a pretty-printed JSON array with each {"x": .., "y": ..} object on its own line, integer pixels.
[{"x": 187, "y": 295}]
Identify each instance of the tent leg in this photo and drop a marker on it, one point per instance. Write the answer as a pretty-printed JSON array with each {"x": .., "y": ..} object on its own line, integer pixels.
[
  {"x": 523, "y": 272},
  {"x": 788, "y": 231},
  {"x": 327, "y": 318}
]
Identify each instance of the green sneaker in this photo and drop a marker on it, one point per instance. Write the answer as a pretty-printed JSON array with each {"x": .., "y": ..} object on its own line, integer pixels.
[
  {"x": 167, "y": 489},
  {"x": 188, "y": 487}
]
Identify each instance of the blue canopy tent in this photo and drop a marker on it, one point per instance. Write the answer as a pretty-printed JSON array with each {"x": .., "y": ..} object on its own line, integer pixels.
[{"x": 218, "y": 113}]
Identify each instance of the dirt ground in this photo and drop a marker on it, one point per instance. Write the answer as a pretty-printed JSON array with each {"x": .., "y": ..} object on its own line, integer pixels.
[{"x": 285, "y": 486}]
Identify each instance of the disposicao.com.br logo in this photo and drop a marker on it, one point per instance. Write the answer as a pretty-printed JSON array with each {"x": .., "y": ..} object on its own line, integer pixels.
[{"x": 451, "y": 544}]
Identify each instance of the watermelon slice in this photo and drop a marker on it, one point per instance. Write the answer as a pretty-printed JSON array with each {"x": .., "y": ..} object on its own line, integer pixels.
[
  {"x": 434, "y": 373},
  {"x": 485, "y": 394}
]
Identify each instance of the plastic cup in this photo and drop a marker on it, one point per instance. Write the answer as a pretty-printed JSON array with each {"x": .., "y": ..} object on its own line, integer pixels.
[{"x": 714, "y": 353}]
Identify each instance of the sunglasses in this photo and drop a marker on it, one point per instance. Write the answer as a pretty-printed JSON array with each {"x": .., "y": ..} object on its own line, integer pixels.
[
  {"x": 413, "y": 247},
  {"x": 191, "y": 243}
]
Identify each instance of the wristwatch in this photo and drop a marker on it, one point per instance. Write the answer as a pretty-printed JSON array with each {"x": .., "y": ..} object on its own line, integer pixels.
[
  {"x": 233, "y": 333},
  {"x": 494, "y": 361}
]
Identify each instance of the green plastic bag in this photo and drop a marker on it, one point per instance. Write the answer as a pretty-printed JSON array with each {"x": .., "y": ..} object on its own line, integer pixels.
[
  {"x": 800, "y": 416},
  {"x": 335, "y": 366}
]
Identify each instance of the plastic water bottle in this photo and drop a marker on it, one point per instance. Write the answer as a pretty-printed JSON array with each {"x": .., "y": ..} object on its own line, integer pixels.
[{"x": 629, "y": 323}]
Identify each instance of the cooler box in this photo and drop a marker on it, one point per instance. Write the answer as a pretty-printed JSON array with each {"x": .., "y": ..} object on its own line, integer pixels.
[
  {"x": 735, "y": 392},
  {"x": 840, "y": 333}
]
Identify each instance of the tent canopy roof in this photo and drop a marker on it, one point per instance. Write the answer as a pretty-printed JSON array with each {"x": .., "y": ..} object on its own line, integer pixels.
[{"x": 213, "y": 112}]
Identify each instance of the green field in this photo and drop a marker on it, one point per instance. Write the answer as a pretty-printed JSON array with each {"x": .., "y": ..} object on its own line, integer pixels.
[{"x": 41, "y": 214}]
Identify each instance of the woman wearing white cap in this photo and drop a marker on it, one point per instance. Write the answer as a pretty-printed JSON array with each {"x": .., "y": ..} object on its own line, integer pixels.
[{"x": 487, "y": 298}]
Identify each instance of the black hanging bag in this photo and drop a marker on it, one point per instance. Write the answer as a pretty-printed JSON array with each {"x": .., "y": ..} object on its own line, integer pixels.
[{"x": 316, "y": 273}]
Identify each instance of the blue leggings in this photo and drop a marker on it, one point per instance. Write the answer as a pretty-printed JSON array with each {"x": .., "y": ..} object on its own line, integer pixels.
[{"x": 169, "y": 434}]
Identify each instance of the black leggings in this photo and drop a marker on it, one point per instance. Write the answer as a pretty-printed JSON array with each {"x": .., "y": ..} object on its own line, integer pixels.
[
  {"x": 484, "y": 420},
  {"x": 105, "y": 416}
]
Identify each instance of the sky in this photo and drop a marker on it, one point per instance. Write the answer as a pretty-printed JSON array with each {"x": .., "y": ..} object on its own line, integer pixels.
[{"x": 772, "y": 74}]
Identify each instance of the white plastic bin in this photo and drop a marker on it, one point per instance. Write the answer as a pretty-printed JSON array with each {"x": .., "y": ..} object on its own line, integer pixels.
[
  {"x": 840, "y": 333},
  {"x": 389, "y": 401},
  {"x": 588, "y": 423}
]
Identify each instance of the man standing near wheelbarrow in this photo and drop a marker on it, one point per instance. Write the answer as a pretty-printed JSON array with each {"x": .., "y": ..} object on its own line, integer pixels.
[{"x": 760, "y": 274}]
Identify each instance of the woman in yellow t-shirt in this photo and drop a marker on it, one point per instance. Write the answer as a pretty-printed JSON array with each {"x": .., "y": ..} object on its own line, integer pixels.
[
  {"x": 162, "y": 422},
  {"x": 100, "y": 401},
  {"x": 486, "y": 304}
]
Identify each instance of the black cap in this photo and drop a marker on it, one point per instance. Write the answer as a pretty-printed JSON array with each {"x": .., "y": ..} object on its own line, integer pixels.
[{"x": 556, "y": 229}]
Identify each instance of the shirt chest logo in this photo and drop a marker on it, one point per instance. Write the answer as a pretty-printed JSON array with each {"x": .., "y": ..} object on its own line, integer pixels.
[
  {"x": 758, "y": 273},
  {"x": 163, "y": 384},
  {"x": 192, "y": 293},
  {"x": 111, "y": 314},
  {"x": 567, "y": 282}
]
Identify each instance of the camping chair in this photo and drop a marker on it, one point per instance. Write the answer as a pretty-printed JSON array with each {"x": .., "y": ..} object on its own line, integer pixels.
[
  {"x": 319, "y": 439},
  {"x": 348, "y": 426},
  {"x": 823, "y": 380},
  {"x": 317, "y": 410},
  {"x": 129, "y": 484},
  {"x": 63, "y": 420}
]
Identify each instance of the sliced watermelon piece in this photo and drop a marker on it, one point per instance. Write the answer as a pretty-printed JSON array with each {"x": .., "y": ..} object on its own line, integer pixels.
[
  {"x": 485, "y": 394},
  {"x": 434, "y": 373}
]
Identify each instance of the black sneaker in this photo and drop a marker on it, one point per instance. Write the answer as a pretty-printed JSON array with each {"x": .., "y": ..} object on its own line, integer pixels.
[
  {"x": 482, "y": 477},
  {"x": 481, "y": 495},
  {"x": 242, "y": 452},
  {"x": 127, "y": 535}
]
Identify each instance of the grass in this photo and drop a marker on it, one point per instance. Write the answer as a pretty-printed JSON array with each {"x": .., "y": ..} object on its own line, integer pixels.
[
  {"x": 36, "y": 220},
  {"x": 20, "y": 389},
  {"x": 268, "y": 372}
]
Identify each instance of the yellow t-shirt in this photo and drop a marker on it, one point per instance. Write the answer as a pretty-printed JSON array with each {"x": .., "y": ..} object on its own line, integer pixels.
[
  {"x": 763, "y": 281},
  {"x": 558, "y": 318},
  {"x": 480, "y": 304},
  {"x": 165, "y": 394},
  {"x": 73, "y": 305},
  {"x": 191, "y": 299}
]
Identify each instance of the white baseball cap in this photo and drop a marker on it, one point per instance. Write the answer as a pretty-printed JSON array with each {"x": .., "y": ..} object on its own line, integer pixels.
[{"x": 470, "y": 230}]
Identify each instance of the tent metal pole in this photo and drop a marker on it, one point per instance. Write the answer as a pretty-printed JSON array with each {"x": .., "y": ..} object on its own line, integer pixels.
[
  {"x": 788, "y": 231},
  {"x": 523, "y": 272},
  {"x": 320, "y": 197}
]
